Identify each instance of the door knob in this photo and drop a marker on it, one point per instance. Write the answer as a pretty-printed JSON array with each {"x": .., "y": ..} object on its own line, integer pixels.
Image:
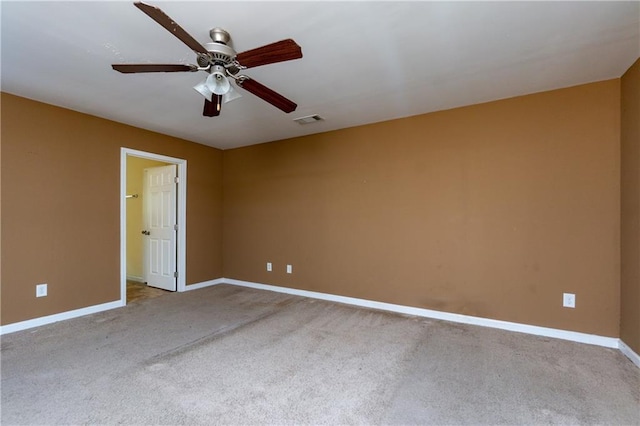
[{"x": 145, "y": 232}]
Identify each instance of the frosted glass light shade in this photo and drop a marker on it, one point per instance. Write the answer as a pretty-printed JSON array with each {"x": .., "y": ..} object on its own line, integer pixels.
[
  {"x": 231, "y": 95},
  {"x": 203, "y": 90},
  {"x": 218, "y": 83}
]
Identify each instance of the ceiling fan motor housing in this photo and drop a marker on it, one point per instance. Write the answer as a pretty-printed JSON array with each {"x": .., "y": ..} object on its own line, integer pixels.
[{"x": 219, "y": 52}]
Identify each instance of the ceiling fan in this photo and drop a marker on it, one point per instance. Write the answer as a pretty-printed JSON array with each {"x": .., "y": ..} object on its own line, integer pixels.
[{"x": 222, "y": 63}]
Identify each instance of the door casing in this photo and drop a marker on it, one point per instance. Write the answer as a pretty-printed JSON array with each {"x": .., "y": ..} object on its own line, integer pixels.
[{"x": 181, "y": 261}]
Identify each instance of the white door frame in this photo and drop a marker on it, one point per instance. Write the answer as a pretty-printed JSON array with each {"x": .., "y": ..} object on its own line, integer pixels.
[{"x": 181, "y": 261}]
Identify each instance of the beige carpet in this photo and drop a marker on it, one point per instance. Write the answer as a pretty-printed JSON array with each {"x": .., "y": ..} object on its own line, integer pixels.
[{"x": 230, "y": 355}]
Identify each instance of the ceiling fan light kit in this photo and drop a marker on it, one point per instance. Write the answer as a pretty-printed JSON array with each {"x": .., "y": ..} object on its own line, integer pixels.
[
  {"x": 206, "y": 91},
  {"x": 222, "y": 63},
  {"x": 217, "y": 82}
]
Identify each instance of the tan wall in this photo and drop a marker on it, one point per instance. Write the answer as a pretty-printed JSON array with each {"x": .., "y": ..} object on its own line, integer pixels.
[
  {"x": 491, "y": 210},
  {"x": 135, "y": 181},
  {"x": 630, "y": 241},
  {"x": 60, "y": 209}
]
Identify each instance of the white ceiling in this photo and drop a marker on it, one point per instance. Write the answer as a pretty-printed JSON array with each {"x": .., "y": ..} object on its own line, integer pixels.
[{"x": 363, "y": 61}]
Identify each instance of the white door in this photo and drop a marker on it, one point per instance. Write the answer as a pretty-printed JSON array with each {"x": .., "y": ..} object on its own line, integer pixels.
[{"x": 159, "y": 192}]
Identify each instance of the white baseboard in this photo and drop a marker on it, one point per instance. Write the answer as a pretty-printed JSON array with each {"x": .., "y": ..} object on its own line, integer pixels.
[
  {"x": 135, "y": 278},
  {"x": 49, "y": 319},
  {"x": 634, "y": 357},
  {"x": 592, "y": 339},
  {"x": 204, "y": 284},
  {"x": 36, "y": 322}
]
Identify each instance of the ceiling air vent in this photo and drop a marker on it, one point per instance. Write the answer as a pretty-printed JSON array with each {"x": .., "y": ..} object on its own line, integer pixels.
[{"x": 308, "y": 119}]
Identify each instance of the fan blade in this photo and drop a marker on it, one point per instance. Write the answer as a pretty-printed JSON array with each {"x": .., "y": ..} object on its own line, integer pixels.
[
  {"x": 280, "y": 51},
  {"x": 133, "y": 68},
  {"x": 212, "y": 109},
  {"x": 263, "y": 92},
  {"x": 170, "y": 25}
]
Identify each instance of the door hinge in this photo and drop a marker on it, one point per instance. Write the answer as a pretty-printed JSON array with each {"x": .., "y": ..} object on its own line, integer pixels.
[
  {"x": 175, "y": 227},
  {"x": 176, "y": 179},
  {"x": 175, "y": 274}
]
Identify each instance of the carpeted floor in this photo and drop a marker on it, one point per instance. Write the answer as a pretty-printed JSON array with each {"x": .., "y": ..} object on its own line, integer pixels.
[{"x": 231, "y": 355}]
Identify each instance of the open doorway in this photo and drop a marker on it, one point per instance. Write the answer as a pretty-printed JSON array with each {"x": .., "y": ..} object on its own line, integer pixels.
[{"x": 152, "y": 237}]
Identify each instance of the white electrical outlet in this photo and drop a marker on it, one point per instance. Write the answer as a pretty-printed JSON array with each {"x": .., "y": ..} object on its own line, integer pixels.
[
  {"x": 269, "y": 267},
  {"x": 289, "y": 269},
  {"x": 41, "y": 290},
  {"x": 569, "y": 300}
]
